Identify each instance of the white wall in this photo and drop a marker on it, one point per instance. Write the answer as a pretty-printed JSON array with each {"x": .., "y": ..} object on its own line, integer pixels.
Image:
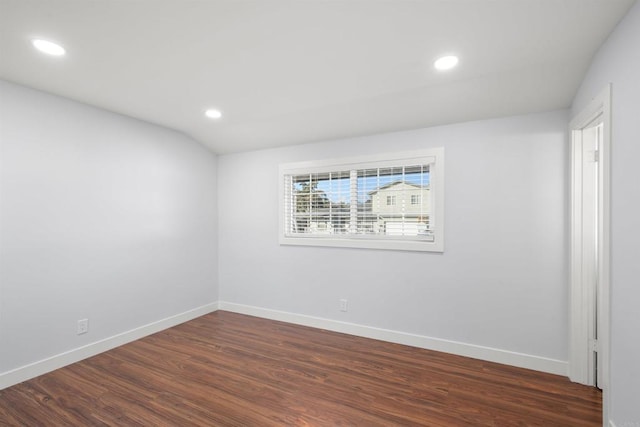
[
  {"x": 618, "y": 62},
  {"x": 101, "y": 217},
  {"x": 502, "y": 280}
]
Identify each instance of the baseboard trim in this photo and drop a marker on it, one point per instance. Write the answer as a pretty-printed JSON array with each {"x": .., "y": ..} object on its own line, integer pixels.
[
  {"x": 521, "y": 360},
  {"x": 527, "y": 361},
  {"x": 41, "y": 367}
]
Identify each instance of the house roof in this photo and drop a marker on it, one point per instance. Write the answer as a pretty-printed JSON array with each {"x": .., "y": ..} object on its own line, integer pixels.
[{"x": 394, "y": 183}]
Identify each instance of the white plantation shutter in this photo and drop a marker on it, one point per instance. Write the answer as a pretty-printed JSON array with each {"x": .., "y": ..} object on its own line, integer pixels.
[{"x": 376, "y": 200}]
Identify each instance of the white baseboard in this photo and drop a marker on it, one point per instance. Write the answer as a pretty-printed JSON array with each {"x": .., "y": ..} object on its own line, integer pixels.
[
  {"x": 35, "y": 369},
  {"x": 521, "y": 360},
  {"x": 41, "y": 367}
]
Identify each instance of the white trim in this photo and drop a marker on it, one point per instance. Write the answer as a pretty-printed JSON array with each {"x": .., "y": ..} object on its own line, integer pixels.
[
  {"x": 522, "y": 360},
  {"x": 52, "y": 363},
  {"x": 506, "y": 357},
  {"x": 599, "y": 106},
  {"x": 373, "y": 160}
]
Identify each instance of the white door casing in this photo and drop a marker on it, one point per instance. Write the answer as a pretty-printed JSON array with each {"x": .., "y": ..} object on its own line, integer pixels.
[{"x": 590, "y": 251}]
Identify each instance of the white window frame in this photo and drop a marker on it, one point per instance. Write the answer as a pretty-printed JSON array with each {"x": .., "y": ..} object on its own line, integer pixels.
[{"x": 433, "y": 156}]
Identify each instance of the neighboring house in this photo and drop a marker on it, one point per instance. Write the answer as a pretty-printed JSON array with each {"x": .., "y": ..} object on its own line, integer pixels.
[{"x": 401, "y": 208}]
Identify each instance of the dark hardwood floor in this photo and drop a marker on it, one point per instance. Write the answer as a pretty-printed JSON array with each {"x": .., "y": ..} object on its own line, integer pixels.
[{"x": 226, "y": 369}]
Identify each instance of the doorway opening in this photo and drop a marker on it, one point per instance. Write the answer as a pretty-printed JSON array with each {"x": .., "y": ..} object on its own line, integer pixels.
[{"x": 590, "y": 251}]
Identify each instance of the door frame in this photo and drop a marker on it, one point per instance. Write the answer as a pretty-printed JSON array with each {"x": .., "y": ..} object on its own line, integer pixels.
[{"x": 580, "y": 303}]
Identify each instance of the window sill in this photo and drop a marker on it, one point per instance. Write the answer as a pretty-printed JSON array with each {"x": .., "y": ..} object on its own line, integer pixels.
[{"x": 384, "y": 244}]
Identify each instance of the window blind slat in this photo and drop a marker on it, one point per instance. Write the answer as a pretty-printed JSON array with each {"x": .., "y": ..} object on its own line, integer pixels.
[{"x": 389, "y": 201}]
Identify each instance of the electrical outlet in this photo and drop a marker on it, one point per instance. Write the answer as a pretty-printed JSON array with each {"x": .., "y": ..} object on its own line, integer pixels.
[
  {"x": 83, "y": 326},
  {"x": 344, "y": 305}
]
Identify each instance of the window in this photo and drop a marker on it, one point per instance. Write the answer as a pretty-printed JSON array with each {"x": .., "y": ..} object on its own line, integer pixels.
[{"x": 383, "y": 202}]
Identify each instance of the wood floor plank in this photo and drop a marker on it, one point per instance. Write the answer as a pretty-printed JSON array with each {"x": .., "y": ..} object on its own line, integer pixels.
[{"x": 227, "y": 369}]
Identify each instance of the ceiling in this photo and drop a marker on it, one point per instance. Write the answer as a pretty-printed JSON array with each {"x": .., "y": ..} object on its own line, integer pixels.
[{"x": 294, "y": 71}]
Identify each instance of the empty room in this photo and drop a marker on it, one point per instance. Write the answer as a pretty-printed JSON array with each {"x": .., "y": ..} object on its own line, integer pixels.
[{"x": 319, "y": 213}]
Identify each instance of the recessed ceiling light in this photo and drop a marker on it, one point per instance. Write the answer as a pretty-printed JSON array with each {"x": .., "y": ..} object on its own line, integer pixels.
[
  {"x": 48, "y": 47},
  {"x": 446, "y": 63},
  {"x": 213, "y": 113}
]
